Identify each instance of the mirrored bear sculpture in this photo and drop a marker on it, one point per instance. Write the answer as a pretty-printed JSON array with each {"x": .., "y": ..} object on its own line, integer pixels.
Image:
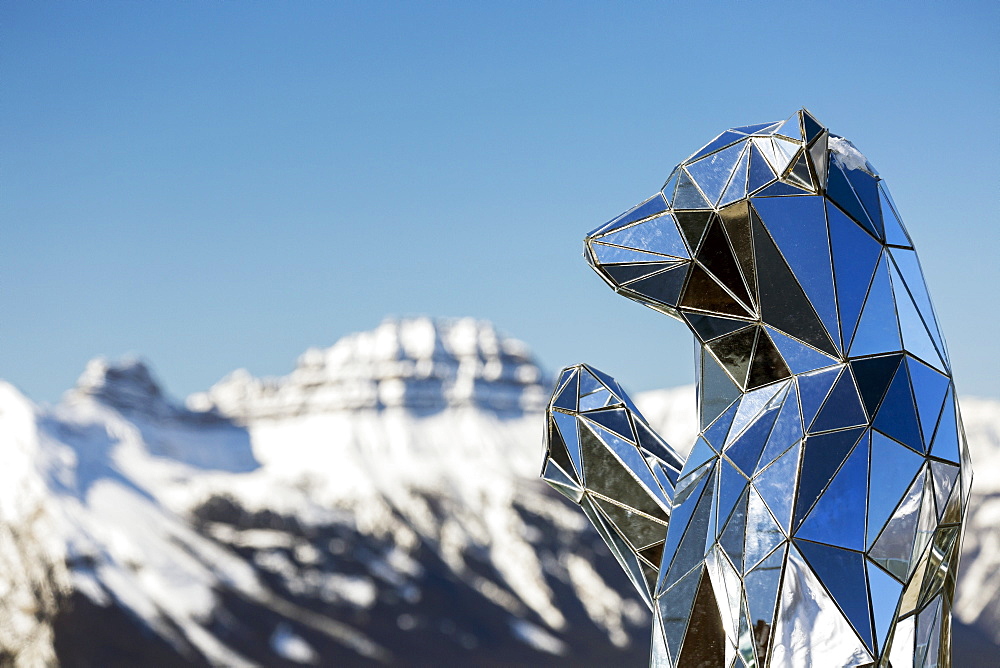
[{"x": 817, "y": 520}]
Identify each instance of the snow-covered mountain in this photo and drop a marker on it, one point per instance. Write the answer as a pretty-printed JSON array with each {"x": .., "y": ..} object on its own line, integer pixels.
[{"x": 380, "y": 504}]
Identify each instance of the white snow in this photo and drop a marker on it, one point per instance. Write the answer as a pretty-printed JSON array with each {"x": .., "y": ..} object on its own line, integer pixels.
[
  {"x": 537, "y": 637},
  {"x": 414, "y": 363},
  {"x": 848, "y": 155},
  {"x": 288, "y": 645}
]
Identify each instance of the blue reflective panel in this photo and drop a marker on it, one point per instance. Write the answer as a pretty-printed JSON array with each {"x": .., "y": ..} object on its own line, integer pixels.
[
  {"x": 820, "y": 158},
  {"x": 798, "y": 226},
  {"x": 685, "y": 504},
  {"x": 712, "y": 173},
  {"x": 866, "y": 188},
  {"x": 878, "y": 330},
  {"x": 799, "y": 357},
  {"x": 657, "y": 235},
  {"x": 945, "y": 443},
  {"x": 762, "y": 590},
  {"x": 670, "y": 186},
  {"x": 633, "y": 461},
  {"x": 840, "y": 191},
  {"x": 716, "y": 433},
  {"x": 909, "y": 268},
  {"x": 759, "y": 172},
  {"x": 928, "y": 636},
  {"x": 735, "y": 530},
  {"x": 726, "y": 138},
  {"x": 732, "y": 485},
  {"x": 595, "y": 400},
  {"x": 567, "y": 398},
  {"x": 619, "y": 547},
  {"x": 737, "y": 187},
  {"x": 842, "y": 408},
  {"x": 776, "y": 483},
  {"x": 745, "y": 450},
  {"x": 824, "y": 454},
  {"x": 613, "y": 254},
  {"x": 626, "y": 273},
  {"x": 856, "y": 256},
  {"x": 687, "y": 195},
  {"x": 568, "y": 431},
  {"x": 929, "y": 389},
  {"x": 564, "y": 376},
  {"x": 675, "y": 609},
  {"x": 813, "y": 389},
  {"x": 718, "y": 390},
  {"x": 745, "y": 643},
  {"x": 799, "y": 174},
  {"x": 614, "y": 419},
  {"x": 692, "y": 546},
  {"x": 752, "y": 404},
  {"x": 665, "y": 476},
  {"x": 897, "y": 416},
  {"x": 843, "y": 574},
  {"x": 781, "y": 189},
  {"x": 790, "y": 128},
  {"x": 916, "y": 338},
  {"x": 786, "y": 149},
  {"x": 895, "y": 233},
  {"x": 561, "y": 482},
  {"x": 775, "y": 159},
  {"x": 885, "y": 593},
  {"x": 589, "y": 383},
  {"x": 838, "y": 518},
  {"x": 763, "y": 533},
  {"x": 655, "y": 445},
  {"x": 616, "y": 388},
  {"x": 652, "y": 206},
  {"x": 786, "y": 432},
  {"x": 893, "y": 547},
  {"x": 811, "y": 125},
  {"x": 944, "y": 476},
  {"x": 757, "y": 127},
  {"x": 893, "y": 470}
]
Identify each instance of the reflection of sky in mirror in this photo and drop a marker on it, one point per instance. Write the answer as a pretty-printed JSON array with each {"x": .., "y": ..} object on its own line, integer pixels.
[{"x": 216, "y": 186}]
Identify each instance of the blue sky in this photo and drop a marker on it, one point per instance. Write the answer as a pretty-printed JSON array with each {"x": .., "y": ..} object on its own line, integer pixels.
[{"x": 221, "y": 185}]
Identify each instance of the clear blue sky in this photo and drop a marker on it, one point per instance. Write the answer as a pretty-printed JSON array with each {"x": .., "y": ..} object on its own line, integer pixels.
[{"x": 215, "y": 185}]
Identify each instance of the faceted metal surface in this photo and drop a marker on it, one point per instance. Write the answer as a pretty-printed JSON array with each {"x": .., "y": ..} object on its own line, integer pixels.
[{"x": 818, "y": 518}]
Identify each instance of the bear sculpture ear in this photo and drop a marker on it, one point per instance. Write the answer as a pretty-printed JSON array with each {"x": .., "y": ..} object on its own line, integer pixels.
[{"x": 805, "y": 139}]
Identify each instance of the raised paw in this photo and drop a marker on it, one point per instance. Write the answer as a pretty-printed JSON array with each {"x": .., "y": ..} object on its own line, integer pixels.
[{"x": 602, "y": 454}]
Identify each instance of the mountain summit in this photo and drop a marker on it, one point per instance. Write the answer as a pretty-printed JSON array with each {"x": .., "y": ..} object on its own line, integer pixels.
[{"x": 416, "y": 363}]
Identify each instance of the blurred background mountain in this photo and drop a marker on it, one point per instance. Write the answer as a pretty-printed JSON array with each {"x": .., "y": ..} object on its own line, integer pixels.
[{"x": 378, "y": 505}]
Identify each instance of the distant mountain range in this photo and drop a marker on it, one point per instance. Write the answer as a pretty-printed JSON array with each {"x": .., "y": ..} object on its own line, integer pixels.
[{"x": 378, "y": 505}]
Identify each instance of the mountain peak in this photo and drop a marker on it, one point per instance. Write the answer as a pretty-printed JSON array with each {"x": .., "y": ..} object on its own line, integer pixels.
[
  {"x": 127, "y": 384},
  {"x": 417, "y": 363}
]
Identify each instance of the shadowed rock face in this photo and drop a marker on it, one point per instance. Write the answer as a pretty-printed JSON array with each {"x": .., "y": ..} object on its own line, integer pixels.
[{"x": 824, "y": 498}]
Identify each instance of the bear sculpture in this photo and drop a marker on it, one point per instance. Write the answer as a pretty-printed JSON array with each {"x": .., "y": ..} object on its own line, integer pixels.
[{"x": 817, "y": 520}]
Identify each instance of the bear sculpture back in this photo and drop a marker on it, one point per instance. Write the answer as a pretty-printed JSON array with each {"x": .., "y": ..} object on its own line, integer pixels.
[{"x": 817, "y": 520}]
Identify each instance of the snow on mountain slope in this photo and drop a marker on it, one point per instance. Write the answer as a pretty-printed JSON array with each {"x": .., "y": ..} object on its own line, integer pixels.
[
  {"x": 318, "y": 510},
  {"x": 32, "y": 556},
  {"x": 380, "y": 504}
]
